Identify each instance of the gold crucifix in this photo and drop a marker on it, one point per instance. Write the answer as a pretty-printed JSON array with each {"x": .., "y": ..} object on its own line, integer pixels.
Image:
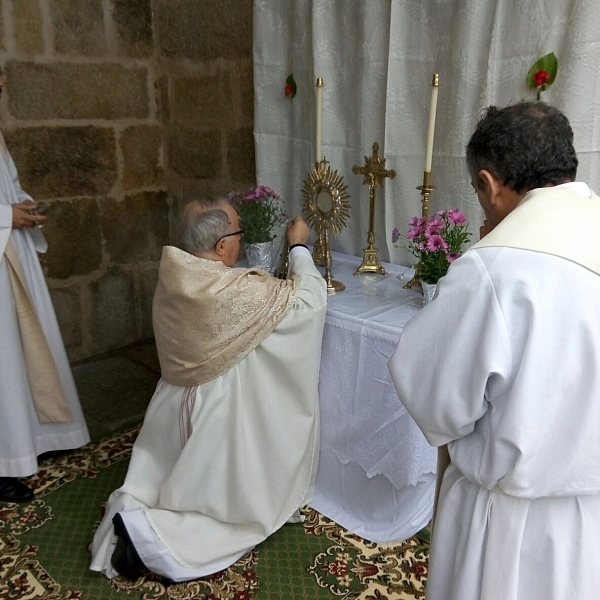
[{"x": 374, "y": 172}]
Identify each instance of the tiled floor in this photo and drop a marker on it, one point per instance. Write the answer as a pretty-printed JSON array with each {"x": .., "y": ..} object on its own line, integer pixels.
[{"x": 116, "y": 388}]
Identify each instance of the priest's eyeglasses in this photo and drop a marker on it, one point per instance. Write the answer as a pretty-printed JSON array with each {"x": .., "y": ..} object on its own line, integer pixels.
[{"x": 240, "y": 233}]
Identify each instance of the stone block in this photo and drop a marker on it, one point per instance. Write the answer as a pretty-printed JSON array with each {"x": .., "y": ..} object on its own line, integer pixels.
[
  {"x": 74, "y": 240},
  {"x": 144, "y": 353},
  {"x": 78, "y": 27},
  {"x": 206, "y": 30},
  {"x": 204, "y": 101},
  {"x": 147, "y": 281},
  {"x": 240, "y": 155},
  {"x": 56, "y": 162},
  {"x": 112, "y": 311},
  {"x": 163, "y": 108},
  {"x": 113, "y": 391},
  {"x": 67, "y": 306},
  {"x": 77, "y": 91},
  {"x": 2, "y": 27},
  {"x": 194, "y": 154},
  {"x": 143, "y": 156},
  {"x": 133, "y": 20},
  {"x": 246, "y": 90},
  {"x": 135, "y": 229},
  {"x": 27, "y": 18}
]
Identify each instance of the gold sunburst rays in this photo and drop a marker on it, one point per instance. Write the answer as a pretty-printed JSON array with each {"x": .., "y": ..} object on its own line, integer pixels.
[{"x": 325, "y": 180}]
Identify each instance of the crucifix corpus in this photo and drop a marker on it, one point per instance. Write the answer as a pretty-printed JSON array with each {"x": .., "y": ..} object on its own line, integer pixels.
[{"x": 374, "y": 172}]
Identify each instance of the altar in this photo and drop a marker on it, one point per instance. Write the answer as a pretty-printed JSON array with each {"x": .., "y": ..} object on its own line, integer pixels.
[{"x": 376, "y": 470}]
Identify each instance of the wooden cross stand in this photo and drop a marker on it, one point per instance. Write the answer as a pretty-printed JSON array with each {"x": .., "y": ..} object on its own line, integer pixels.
[{"x": 374, "y": 172}]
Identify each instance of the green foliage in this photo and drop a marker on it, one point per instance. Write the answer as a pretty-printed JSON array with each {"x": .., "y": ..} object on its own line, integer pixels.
[
  {"x": 260, "y": 210},
  {"x": 436, "y": 242}
]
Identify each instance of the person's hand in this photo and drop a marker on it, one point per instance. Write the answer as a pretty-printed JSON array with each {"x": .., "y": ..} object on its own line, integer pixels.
[
  {"x": 297, "y": 232},
  {"x": 484, "y": 229},
  {"x": 23, "y": 215}
]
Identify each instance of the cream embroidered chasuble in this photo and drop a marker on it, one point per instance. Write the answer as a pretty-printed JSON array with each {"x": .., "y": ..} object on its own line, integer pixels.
[{"x": 233, "y": 310}]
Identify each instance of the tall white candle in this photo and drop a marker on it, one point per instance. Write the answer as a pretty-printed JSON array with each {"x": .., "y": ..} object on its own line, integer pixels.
[
  {"x": 431, "y": 128},
  {"x": 319, "y": 138}
]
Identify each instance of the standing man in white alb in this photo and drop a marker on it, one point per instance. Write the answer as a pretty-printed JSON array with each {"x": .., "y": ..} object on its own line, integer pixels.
[
  {"x": 39, "y": 406},
  {"x": 503, "y": 367}
]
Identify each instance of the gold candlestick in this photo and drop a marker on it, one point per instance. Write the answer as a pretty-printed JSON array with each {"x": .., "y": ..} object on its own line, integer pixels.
[
  {"x": 426, "y": 190},
  {"x": 374, "y": 173}
]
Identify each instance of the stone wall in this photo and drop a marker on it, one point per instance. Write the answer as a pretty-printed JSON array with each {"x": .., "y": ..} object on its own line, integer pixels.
[
  {"x": 205, "y": 50},
  {"x": 115, "y": 112}
]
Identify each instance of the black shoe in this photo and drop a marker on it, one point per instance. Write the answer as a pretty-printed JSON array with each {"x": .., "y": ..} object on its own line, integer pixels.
[
  {"x": 125, "y": 559},
  {"x": 53, "y": 454},
  {"x": 13, "y": 490}
]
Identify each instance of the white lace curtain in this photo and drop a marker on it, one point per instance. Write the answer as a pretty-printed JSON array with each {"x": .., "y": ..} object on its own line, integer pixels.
[{"x": 377, "y": 58}]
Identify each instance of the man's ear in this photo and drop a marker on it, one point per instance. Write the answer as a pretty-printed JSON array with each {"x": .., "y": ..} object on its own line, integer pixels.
[
  {"x": 220, "y": 247},
  {"x": 491, "y": 185}
]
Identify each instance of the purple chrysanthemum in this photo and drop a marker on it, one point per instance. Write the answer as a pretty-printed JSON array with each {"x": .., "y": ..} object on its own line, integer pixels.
[
  {"x": 416, "y": 221},
  {"x": 435, "y": 243},
  {"x": 435, "y": 223},
  {"x": 456, "y": 216},
  {"x": 414, "y": 232},
  {"x": 395, "y": 235},
  {"x": 453, "y": 256}
]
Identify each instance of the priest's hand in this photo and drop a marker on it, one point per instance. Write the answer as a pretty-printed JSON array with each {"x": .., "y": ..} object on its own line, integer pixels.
[
  {"x": 484, "y": 229},
  {"x": 297, "y": 232},
  {"x": 23, "y": 215}
]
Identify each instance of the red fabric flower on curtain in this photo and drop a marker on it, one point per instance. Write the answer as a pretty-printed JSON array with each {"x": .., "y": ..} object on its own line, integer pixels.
[
  {"x": 542, "y": 73},
  {"x": 291, "y": 88},
  {"x": 541, "y": 77}
]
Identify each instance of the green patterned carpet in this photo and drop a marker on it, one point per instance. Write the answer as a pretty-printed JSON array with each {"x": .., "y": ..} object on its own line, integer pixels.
[{"x": 44, "y": 547}]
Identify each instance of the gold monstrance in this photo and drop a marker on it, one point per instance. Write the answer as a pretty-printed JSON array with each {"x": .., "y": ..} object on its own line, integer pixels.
[{"x": 374, "y": 172}]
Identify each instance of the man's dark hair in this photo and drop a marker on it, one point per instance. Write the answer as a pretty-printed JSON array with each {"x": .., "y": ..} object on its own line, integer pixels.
[{"x": 525, "y": 146}]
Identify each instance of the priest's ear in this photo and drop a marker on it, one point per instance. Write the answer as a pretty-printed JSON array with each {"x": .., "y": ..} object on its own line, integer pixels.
[
  {"x": 491, "y": 185},
  {"x": 220, "y": 249}
]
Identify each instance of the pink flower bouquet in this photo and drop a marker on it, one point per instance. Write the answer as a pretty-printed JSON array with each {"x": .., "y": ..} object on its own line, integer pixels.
[
  {"x": 260, "y": 209},
  {"x": 436, "y": 242}
]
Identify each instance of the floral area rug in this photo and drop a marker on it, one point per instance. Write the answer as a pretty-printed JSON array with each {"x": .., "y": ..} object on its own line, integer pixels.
[{"x": 44, "y": 547}]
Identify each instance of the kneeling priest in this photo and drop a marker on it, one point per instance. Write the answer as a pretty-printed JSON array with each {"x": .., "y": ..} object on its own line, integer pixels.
[{"x": 229, "y": 445}]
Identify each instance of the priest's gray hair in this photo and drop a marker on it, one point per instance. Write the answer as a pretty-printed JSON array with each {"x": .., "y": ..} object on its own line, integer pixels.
[{"x": 202, "y": 224}]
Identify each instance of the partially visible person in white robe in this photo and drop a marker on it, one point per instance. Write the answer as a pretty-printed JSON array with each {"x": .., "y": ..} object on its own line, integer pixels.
[
  {"x": 39, "y": 406},
  {"x": 502, "y": 367},
  {"x": 229, "y": 446}
]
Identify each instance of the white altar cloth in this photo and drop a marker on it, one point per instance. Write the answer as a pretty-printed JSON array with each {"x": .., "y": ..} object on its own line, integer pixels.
[{"x": 376, "y": 470}]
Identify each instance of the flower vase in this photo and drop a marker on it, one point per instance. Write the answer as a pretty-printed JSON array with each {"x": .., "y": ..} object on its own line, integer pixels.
[
  {"x": 428, "y": 292},
  {"x": 260, "y": 255}
]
